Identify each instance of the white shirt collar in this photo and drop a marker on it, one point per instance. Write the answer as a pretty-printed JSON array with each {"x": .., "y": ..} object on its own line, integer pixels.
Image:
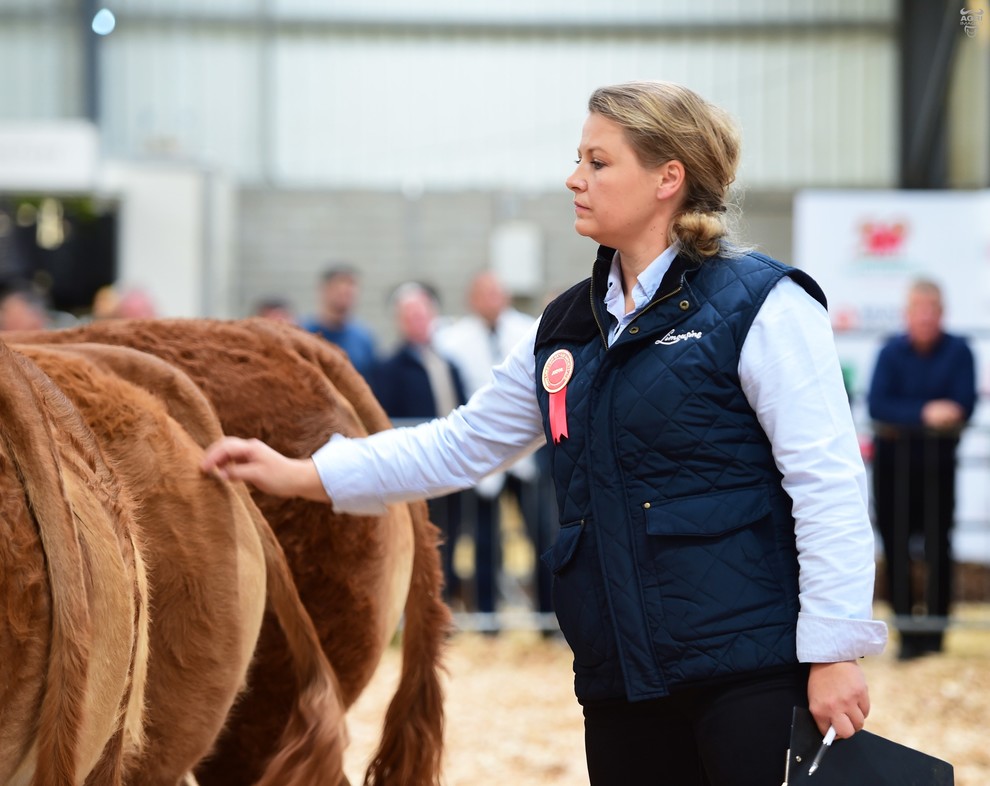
[{"x": 647, "y": 284}]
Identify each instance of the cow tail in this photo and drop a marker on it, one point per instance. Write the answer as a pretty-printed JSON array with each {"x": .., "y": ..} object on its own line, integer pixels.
[
  {"x": 311, "y": 750},
  {"x": 29, "y": 440},
  {"x": 411, "y": 746}
]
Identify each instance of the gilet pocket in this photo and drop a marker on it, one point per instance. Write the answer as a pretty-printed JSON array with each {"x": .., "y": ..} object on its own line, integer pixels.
[{"x": 578, "y": 594}]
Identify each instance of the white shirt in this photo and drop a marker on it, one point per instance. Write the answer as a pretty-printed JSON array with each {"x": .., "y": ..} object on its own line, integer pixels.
[
  {"x": 475, "y": 348},
  {"x": 791, "y": 378}
]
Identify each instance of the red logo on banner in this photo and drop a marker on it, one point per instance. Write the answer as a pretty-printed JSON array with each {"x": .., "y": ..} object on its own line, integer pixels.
[{"x": 882, "y": 240}]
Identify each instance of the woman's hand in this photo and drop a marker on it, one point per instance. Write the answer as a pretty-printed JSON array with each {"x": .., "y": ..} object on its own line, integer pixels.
[
  {"x": 837, "y": 696},
  {"x": 254, "y": 462}
]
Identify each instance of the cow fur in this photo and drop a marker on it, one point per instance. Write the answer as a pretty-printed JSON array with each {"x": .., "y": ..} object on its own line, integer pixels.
[
  {"x": 294, "y": 390},
  {"x": 73, "y": 591},
  {"x": 209, "y": 555}
]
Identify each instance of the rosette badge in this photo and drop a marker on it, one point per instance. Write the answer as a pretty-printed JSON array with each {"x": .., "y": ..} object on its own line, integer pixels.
[{"x": 557, "y": 373}]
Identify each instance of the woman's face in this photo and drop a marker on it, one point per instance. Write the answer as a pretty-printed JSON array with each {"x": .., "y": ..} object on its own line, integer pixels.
[{"x": 615, "y": 197}]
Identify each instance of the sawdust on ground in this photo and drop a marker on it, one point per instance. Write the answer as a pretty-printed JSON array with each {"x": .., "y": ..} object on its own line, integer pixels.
[{"x": 512, "y": 718}]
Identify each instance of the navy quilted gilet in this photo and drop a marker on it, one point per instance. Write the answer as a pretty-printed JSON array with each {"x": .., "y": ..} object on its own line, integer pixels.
[{"x": 676, "y": 560}]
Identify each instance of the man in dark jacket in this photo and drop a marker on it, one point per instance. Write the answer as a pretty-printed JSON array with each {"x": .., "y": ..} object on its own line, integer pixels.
[
  {"x": 416, "y": 384},
  {"x": 922, "y": 395}
]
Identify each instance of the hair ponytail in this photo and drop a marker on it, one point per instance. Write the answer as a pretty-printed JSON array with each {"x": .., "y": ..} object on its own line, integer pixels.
[{"x": 664, "y": 122}]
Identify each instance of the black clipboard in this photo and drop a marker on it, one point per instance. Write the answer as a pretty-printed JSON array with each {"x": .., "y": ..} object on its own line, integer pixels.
[{"x": 865, "y": 759}]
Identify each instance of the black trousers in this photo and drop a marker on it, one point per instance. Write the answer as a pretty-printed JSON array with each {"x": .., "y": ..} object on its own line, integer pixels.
[
  {"x": 445, "y": 513},
  {"x": 914, "y": 496},
  {"x": 733, "y": 733}
]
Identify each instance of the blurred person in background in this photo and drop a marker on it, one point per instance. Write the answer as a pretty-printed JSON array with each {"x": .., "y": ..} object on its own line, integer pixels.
[
  {"x": 335, "y": 321},
  {"x": 111, "y": 302},
  {"x": 481, "y": 339},
  {"x": 104, "y": 302},
  {"x": 136, "y": 303},
  {"x": 715, "y": 562},
  {"x": 277, "y": 309},
  {"x": 417, "y": 384},
  {"x": 922, "y": 395},
  {"x": 476, "y": 343},
  {"x": 22, "y": 309}
]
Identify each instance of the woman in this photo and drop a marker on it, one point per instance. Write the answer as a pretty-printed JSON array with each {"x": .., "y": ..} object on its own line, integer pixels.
[{"x": 715, "y": 561}]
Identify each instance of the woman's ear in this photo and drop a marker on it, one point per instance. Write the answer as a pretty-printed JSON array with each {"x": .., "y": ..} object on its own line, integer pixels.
[{"x": 670, "y": 179}]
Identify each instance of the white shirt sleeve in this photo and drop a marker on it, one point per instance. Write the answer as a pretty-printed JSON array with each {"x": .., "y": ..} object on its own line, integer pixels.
[
  {"x": 791, "y": 377},
  {"x": 500, "y": 423}
]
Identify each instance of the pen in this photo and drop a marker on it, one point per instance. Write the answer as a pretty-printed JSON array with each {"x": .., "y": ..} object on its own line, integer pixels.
[{"x": 826, "y": 742}]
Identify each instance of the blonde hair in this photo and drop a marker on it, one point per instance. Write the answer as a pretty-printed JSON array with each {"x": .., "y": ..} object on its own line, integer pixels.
[{"x": 663, "y": 122}]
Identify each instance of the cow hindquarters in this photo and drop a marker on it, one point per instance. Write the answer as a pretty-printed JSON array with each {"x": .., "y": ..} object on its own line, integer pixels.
[
  {"x": 311, "y": 748},
  {"x": 209, "y": 588},
  {"x": 87, "y": 609}
]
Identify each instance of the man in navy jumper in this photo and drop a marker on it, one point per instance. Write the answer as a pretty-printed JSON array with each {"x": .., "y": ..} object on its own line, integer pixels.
[{"x": 922, "y": 395}]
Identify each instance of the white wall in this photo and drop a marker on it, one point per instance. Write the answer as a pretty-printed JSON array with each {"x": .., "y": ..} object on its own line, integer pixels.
[
  {"x": 453, "y": 94},
  {"x": 174, "y": 241}
]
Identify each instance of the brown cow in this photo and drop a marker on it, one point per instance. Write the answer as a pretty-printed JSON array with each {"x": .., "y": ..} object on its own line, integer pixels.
[
  {"x": 208, "y": 552},
  {"x": 73, "y": 593},
  {"x": 294, "y": 390}
]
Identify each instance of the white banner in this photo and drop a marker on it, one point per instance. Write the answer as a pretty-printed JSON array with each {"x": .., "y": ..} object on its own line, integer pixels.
[{"x": 865, "y": 248}]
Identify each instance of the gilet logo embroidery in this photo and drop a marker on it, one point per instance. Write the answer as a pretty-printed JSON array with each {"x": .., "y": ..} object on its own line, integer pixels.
[{"x": 670, "y": 338}]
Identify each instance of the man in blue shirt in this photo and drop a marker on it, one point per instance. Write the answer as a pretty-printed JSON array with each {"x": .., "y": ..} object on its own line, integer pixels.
[
  {"x": 335, "y": 323},
  {"x": 922, "y": 395}
]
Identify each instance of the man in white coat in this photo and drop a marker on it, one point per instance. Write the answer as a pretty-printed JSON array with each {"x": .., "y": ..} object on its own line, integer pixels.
[{"x": 476, "y": 343}]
